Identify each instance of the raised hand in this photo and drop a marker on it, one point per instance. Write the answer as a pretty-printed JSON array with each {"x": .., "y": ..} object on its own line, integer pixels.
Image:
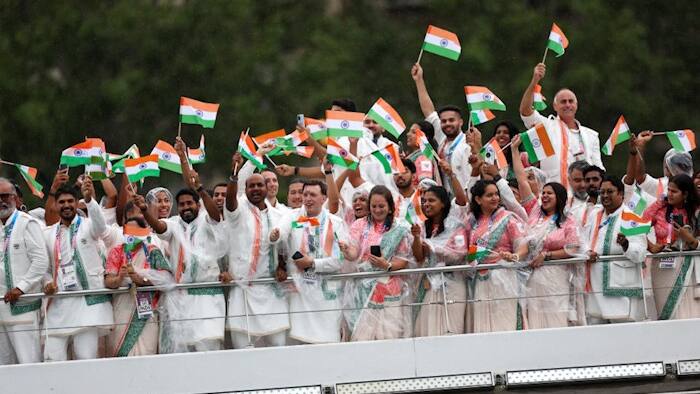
[{"x": 539, "y": 72}]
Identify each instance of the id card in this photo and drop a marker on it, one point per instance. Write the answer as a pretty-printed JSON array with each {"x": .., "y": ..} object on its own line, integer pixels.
[
  {"x": 309, "y": 277},
  {"x": 69, "y": 279},
  {"x": 143, "y": 305},
  {"x": 667, "y": 263}
]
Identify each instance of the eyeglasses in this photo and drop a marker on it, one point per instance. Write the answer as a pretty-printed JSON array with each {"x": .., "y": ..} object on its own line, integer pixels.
[{"x": 7, "y": 196}]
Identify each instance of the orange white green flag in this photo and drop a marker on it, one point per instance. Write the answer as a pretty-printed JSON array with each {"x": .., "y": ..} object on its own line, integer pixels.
[
  {"x": 134, "y": 235},
  {"x": 167, "y": 157},
  {"x": 414, "y": 212},
  {"x": 29, "y": 175},
  {"x": 538, "y": 98},
  {"x": 493, "y": 154},
  {"x": 537, "y": 143},
  {"x": 480, "y": 116},
  {"x": 557, "y": 41},
  {"x": 197, "y": 155},
  {"x": 305, "y": 222},
  {"x": 384, "y": 114},
  {"x": 339, "y": 156},
  {"x": 269, "y": 136},
  {"x": 442, "y": 42},
  {"x": 198, "y": 112},
  {"x": 81, "y": 154},
  {"x": 317, "y": 128},
  {"x": 632, "y": 224},
  {"x": 390, "y": 159},
  {"x": 682, "y": 140},
  {"x": 247, "y": 149},
  {"x": 620, "y": 133},
  {"x": 480, "y": 97},
  {"x": 344, "y": 124},
  {"x": 424, "y": 144},
  {"x": 142, "y": 167}
]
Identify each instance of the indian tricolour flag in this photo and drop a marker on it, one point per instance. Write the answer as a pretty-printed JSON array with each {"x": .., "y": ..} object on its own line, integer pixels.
[
  {"x": 197, "y": 155},
  {"x": 81, "y": 154},
  {"x": 480, "y": 97},
  {"x": 167, "y": 157},
  {"x": 132, "y": 153},
  {"x": 477, "y": 252},
  {"x": 99, "y": 168},
  {"x": 390, "y": 159},
  {"x": 637, "y": 203},
  {"x": 29, "y": 175},
  {"x": 134, "y": 235},
  {"x": 620, "y": 133},
  {"x": 344, "y": 124},
  {"x": 493, "y": 154},
  {"x": 247, "y": 149},
  {"x": 682, "y": 140},
  {"x": 414, "y": 212},
  {"x": 537, "y": 143},
  {"x": 424, "y": 144},
  {"x": 384, "y": 114},
  {"x": 305, "y": 222},
  {"x": 557, "y": 40},
  {"x": 480, "y": 116},
  {"x": 287, "y": 144},
  {"x": 304, "y": 151},
  {"x": 632, "y": 224},
  {"x": 538, "y": 98},
  {"x": 317, "y": 128},
  {"x": 269, "y": 136},
  {"x": 442, "y": 42},
  {"x": 339, "y": 156},
  {"x": 198, "y": 112},
  {"x": 142, "y": 167}
]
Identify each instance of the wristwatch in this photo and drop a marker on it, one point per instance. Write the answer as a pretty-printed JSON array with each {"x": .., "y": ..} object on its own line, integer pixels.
[{"x": 388, "y": 267}]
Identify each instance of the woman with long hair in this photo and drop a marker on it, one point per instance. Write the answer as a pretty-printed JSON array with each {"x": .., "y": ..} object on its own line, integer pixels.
[
  {"x": 374, "y": 307},
  {"x": 550, "y": 233},
  {"x": 675, "y": 222},
  {"x": 494, "y": 237},
  {"x": 441, "y": 240}
]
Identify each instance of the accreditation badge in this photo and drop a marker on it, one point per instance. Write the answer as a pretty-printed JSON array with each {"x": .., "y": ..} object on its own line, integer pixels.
[
  {"x": 144, "y": 309},
  {"x": 667, "y": 263}
]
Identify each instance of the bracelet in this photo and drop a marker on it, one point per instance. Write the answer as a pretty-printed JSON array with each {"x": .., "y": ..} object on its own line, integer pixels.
[
  {"x": 296, "y": 171},
  {"x": 497, "y": 178},
  {"x": 233, "y": 178},
  {"x": 388, "y": 267},
  {"x": 328, "y": 172}
]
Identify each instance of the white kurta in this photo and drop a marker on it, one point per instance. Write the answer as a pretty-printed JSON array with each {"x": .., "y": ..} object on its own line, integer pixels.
[
  {"x": 24, "y": 262},
  {"x": 371, "y": 169},
  {"x": 583, "y": 145},
  {"x": 68, "y": 316},
  {"x": 616, "y": 285},
  {"x": 456, "y": 152},
  {"x": 252, "y": 256},
  {"x": 198, "y": 245},
  {"x": 314, "y": 294}
]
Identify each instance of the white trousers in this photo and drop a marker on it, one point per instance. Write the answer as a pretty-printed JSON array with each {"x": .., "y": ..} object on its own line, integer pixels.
[
  {"x": 20, "y": 343},
  {"x": 240, "y": 339},
  {"x": 84, "y": 346}
]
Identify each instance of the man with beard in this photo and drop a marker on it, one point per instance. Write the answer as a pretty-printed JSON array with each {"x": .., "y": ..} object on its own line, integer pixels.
[
  {"x": 576, "y": 204},
  {"x": 447, "y": 122},
  {"x": 256, "y": 311},
  {"x": 76, "y": 264},
  {"x": 567, "y": 133},
  {"x": 195, "y": 245},
  {"x": 405, "y": 182},
  {"x": 23, "y": 263},
  {"x": 311, "y": 236},
  {"x": 613, "y": 288},
  {"x": 135, "y": 261}
]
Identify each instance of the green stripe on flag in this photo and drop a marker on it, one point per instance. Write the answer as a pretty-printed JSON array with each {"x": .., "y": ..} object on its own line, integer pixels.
[
  {"x": 342, "y": 162},
  {"x": 556, "y": 47},
  {"x": 72, "y": 161},
  {"x": 487, "y": 105},
  {"x": 337, "y": 133},
  {"x": 675, "y": 142},
  {"x": 143, "y": 174},
  {"x": 166, "y": 165},
  {"x": 383, "y": 122},
  {"x": 638, "y": 230},
  {"x": 194, "y": 119},
  {"x": 382, "y": 159},
  {"x": 438, "y": 50},
  {"x": 527, "y": 144}
]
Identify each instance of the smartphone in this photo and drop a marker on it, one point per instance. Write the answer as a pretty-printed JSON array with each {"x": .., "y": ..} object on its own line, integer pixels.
[
  {"x": 63, "y": 166},
  {"x": 375, "y": 250},
  {"x": 678, "y": 219},
  {"x": 297, "y": 255},
  {"x": 300, "y": 120}
]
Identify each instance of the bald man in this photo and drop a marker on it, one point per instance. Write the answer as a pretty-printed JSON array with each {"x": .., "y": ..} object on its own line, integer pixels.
[{"x": 581, "y": 142}]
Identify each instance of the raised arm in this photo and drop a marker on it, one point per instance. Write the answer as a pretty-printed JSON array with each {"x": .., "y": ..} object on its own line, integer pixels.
[
  {"x": 641, "y": 141},
  {"x": 333, "y": 193},
  {"x": 519, "y": 170},
  {"x": 460, "y": 195},
  {"x": 110, "y": 192},
  {"x": 526, "y": 102},
  {"x": 232, "y": 188},
  {"x": 98, "y": 226},
  {"x": 50, "y": 211},
  {"x": 426, "y": 103}
]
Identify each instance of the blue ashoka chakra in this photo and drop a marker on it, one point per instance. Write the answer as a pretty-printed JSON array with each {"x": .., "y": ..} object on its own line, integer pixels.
[
  {"x": 343, "y": 153},
  {"x": 142, "y": 166},
  {"x": 388, "y": 157},
  {"x": 536, "y": 143},
  {"x": 443, "y": 42},
  {"x": 199, "y": 113},
  {"x": 130, "y": 239},
  {"x": 166, "y": 155},
  {"x": 345, "y": 124},
  {"x": 79, "y": 152},
  {"x": 630, "y": 204},
  {"x": 680, "y": 134},
  {"x": 633, "y": 224},
  {"x": 488, "y": 97},
  {"x": 388, "y": 118}
]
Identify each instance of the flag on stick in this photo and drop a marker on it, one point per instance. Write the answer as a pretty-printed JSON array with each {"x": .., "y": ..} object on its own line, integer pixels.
[
  {"x": 480, "y": 116},
  {"x": 81, "y": 154},
  {"x": 424, "y": 144},
  {"x": 480, "y": 97},
  {"x": 390, "y": 159},
  {"x": 682, "y": 140},
  {"x": 414, "y": 211},
  {"x": 538, "y": 98},
  {"x": 384, "y": 114},
  {"x": 620, "y": 133},
  {"x": 29, "y": 175},
  {"x": 493, "y": 154},
  {"x": 317, "y": 128},
  {"x": 442, "y": 42},
  {"x": 557, "y": 41},
  {"x": 198, "y": 112},
  {"x": 142, "y": 167},
  {"x": 537, "y": 143},
  {"x": 247, "y": 149},
  {"x": 633, "y": 224},
  {"x": 167, "y": 157},
  {"x": 637, "y": 203},
  {"x": 344, "y": 124},
  {"x": 339, "y": 156},
  {"x": 197, "y": 155}
]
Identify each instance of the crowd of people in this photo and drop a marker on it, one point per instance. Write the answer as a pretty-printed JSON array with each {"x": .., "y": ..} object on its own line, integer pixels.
[{"x": 522, "y": 216}]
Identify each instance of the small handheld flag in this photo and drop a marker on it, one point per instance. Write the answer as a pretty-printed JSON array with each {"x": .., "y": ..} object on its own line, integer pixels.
[
  {"x": 480, "y": 97},
  {"x": 557, "y": 41},
  {"x": 537, "y": 143},
  {"x": 441, "y": 42},
  {"x": 198, "y": 112},
  {"x": 620, "y": 133},
  {"x": 384, "y": 114},
  {"x": 682, "y": 140}
]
